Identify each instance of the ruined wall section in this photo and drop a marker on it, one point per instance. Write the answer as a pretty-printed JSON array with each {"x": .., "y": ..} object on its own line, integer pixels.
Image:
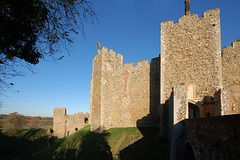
[
  {"x": 231, "y": 73},
  {"x": 59, "y": 122},
  {"x": 65, "y": 125},
  {"x": 125, "y": 93},
  {"x": 76, "y": 122},
  {"x": 191, "y": 53}
]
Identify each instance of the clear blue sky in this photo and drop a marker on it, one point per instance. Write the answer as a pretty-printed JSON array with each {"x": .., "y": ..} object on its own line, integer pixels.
[{"x": 129, "y": 27}]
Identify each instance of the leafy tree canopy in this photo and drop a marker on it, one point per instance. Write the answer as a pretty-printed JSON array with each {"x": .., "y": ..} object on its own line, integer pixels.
[{"x": 33, "y": 29}]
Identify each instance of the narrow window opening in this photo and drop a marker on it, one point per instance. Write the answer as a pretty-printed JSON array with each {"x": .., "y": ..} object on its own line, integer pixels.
[
  {"x": 76, "y": 129},
  {"x": 86, "y": 120},
  {"x": 208, "y": 114},
  {"x": 193, "y": 111}
]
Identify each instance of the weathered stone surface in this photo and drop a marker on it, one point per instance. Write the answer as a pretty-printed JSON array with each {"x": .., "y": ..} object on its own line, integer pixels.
[
  {"x": 190, "y": 56},
  {"x": 123, "y": 96},
  {"x": 59, "y": 121},
  {"x": 64, "y": 125},
  {"x": 231, "y": 73},
  {"x": 191, "y": 53}
]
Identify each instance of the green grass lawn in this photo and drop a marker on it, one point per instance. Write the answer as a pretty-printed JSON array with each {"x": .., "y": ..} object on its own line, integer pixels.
[{"x": 115, "y": 143}]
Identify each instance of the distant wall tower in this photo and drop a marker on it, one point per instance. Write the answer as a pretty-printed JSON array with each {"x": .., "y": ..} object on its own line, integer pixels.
[
  {"x": 65, "y": 125},
  {"x": 59, "y": 122}
]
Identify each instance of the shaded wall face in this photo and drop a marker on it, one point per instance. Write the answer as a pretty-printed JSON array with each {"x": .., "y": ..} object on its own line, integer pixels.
[
  {"x": 59, "y": 122},
  {"x": 184, "y": 106},
  {"x": 208, "y": 138},
  {"x": 95, "y": 95},
  {"x": 191, "y": 53},
  {"x": 214, "y": 137},
  {"x": 231, "y": 73}
]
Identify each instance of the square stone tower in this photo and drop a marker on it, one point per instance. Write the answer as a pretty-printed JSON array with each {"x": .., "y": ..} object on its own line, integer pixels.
[{"x": 190, "y": 54}]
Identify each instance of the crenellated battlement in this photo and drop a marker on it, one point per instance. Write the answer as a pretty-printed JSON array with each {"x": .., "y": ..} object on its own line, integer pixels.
[
  {"x": 128, "y": 65},
  {"x": 142, "y": 63},
  {"x": 186, "y": 19},
  {"x": 104, "y": 51},
  {"x": 116, "y": 61},
  {"x": 236, "y": 43},
  {"x": 210, "y": 16}
]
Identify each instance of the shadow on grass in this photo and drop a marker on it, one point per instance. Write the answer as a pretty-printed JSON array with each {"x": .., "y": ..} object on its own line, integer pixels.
[
  {"x": 25, "y": 143},
  {"x": 92, "y": 146},
  {"x": 150, "y": 147}
]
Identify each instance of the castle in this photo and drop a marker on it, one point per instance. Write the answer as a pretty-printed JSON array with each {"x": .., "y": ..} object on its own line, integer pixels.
[{"x": 190, "y": 78}]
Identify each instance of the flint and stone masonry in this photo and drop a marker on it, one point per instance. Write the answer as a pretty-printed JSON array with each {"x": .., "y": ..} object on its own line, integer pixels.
[
  {"x": 64, "y": 125},
  {"x": 123, "y": 96},
  {"x": 191, "y": 78}
]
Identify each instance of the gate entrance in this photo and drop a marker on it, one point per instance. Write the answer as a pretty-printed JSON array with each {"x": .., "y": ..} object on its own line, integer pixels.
[{"x": 193, "y": 111}]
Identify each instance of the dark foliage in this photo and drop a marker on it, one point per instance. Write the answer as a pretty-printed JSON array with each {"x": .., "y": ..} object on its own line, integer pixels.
[
  {"x": 33, "y": 29},
  {"x": 21, "y": 23}
]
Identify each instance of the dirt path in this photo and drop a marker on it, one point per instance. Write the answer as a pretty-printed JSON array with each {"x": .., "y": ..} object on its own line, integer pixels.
[{"x": 116, "y": 148}]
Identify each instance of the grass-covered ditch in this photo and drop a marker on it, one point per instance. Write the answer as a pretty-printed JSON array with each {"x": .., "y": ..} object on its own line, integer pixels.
[
  {"x": 115, "y": 143},
  {"x": 24, "y": 143}
]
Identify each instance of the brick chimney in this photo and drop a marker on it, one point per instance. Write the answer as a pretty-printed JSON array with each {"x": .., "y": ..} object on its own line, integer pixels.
[{"x": 187, "y": 7}]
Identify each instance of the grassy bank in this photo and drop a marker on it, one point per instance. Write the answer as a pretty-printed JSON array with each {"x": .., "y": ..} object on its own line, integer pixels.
[
  {"x": 116, "y": 143},
  {"x": 24, "y": 143}
]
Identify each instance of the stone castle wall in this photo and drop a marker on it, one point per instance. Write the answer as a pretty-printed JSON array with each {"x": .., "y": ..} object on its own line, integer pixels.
[
  {"x": 231, "y": 73},
  {"x": 190, "y": 79},
  {"x": 123, "y": 96},
  {"x": 190, "y": 74},
  {"x": 65, "y": 125},
  {"x": 191, "y": 53}
]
